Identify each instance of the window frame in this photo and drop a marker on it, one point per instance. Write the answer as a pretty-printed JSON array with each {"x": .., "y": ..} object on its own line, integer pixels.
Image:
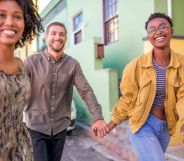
[
  {"x": 108, "y": 20},
  {"x": 77, "y": 30}
]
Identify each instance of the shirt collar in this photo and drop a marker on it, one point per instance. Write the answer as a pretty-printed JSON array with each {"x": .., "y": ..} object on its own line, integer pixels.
[
  {"x": 146, "y": 60},
  {"x": 50, "y": 58}
]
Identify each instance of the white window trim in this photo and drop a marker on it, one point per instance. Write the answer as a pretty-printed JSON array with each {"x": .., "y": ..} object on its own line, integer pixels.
[
  {"x": 73, "y": 35},
  {"x": 169, "y": 8},
  {"x": 79, "y": 29}
]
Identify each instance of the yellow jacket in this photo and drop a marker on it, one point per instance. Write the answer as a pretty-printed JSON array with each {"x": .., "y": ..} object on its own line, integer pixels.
[{"x": 138, "y": 88}]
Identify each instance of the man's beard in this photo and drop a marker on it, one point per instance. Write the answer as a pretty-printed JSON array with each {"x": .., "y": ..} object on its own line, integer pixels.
[{"x": 57, "y": 49}]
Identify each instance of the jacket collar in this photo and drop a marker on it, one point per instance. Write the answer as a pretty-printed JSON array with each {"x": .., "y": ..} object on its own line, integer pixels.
[{"x": 146, "y": 60}]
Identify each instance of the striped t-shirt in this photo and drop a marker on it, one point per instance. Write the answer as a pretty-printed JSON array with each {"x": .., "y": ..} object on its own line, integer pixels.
[{"x": 161, "y": 84}]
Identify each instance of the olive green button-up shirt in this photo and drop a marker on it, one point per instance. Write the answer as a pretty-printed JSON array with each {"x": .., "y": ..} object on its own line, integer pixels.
[{"x": 49, "y": 107}]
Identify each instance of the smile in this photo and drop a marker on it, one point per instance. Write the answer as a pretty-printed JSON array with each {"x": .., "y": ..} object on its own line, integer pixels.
[{"x": 9, "y": 33}]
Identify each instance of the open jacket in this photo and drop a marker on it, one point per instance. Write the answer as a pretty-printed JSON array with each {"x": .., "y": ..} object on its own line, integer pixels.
[{"x": 138, "y": 88}]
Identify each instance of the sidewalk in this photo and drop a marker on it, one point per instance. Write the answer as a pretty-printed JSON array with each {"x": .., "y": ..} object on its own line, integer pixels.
[
  {"x": 118, "y": 142},
  {"x": 176, "y": 153}
]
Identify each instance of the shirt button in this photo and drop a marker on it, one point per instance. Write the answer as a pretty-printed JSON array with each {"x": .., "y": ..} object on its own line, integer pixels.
[
  {"x": 53, "y": 85},
  {"x": 52, "y": 108},
  {"x": 52, "y": 120}
]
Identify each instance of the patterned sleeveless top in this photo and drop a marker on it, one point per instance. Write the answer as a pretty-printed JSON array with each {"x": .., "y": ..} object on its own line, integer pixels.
[{"x": 15, "y": 143}]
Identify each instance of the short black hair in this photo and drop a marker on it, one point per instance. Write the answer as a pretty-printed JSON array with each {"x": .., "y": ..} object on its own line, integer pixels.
[
  {"x": 158, "y": 15},
  {"x": 32, "y": 22},
  {"x": 56, "y": 24}
]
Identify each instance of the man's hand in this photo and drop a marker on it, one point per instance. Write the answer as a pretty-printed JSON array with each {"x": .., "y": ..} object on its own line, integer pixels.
[
  {"x": 99, "y": 128},
  {"x": 182, "y": 131}
]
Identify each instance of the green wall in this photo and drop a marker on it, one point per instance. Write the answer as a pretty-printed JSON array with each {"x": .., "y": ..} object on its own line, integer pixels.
[
  {"x": 178, "y": 17},
  {"x": 160, "y": 6},
  {"x": 92, "y": 17},
  {"x": 132, "y": 17}
]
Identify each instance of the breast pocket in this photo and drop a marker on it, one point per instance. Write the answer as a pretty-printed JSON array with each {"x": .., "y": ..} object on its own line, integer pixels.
[
  {"x": 173, "y": 87},
  {"x": 144, "y": 90},
  {"x": 174, "y": 83}
]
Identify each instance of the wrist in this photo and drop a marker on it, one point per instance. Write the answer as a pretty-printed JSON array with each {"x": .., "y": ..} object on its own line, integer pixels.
[{"x": 111, "y": 125}]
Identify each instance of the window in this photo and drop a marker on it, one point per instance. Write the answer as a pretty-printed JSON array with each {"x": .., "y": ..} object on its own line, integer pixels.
[
  {"x": 111, "y": 21},
  {"x": 77, "y": 28}
]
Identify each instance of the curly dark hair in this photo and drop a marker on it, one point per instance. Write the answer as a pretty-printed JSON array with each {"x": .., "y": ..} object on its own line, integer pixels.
[
  {"x": 32, "y": 21},
  {"x": 158, "y": 15}
]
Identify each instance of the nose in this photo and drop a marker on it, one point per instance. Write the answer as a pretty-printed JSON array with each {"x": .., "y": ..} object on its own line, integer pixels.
[
  {"x": 57, "y": 36},
  {"x": 9, "y": 21},
  {"x": 158, "y": 31}
]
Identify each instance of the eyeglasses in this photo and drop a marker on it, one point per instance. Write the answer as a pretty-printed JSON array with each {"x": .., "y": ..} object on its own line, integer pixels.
[{"x": 152, "y": 30}]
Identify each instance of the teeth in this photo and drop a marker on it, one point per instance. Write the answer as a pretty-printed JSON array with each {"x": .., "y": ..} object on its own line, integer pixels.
[
  {"x": 160, "y": 38},
  {"x": 9, "y": 32}
]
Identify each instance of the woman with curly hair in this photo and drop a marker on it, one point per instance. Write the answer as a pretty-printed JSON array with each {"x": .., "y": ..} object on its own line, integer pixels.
[{"x": 19, "y": 23}]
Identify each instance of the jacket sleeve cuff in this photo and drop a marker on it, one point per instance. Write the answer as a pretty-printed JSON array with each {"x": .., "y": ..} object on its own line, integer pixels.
[
  {"x": 116, "y": 121},
  {"x": 98, "y": 117}
]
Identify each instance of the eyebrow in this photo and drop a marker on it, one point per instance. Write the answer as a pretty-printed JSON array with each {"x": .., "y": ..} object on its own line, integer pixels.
[
  {"x": 17, "y": 12},
  {"x": 159, "y": 25}
]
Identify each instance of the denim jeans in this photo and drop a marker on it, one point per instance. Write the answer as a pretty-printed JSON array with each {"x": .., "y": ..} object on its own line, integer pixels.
[
  {"x": 47, "y": 147},
  {"x": 152, "y": 140}
]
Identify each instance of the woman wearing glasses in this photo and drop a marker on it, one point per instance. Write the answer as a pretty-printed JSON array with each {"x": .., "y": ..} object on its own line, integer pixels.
[{"x": 152, "y": 90}]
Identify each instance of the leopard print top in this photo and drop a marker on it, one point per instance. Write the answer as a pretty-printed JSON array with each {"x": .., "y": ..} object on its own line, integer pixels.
[{"x": 15, "y": 143}]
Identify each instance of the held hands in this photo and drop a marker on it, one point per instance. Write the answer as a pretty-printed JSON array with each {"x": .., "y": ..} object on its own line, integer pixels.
[{"x": 100, "y": 128}]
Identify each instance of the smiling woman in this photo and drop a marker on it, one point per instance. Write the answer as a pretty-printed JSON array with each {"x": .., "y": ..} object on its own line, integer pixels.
[
  {"x": 19, "y": 23},
  {"x": 153, "y": 93}
]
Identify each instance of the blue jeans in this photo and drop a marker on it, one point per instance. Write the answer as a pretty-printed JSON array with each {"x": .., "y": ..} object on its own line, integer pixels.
[
  {"x": 152, "y": 140},
  {"x": 47, "y": 147}
]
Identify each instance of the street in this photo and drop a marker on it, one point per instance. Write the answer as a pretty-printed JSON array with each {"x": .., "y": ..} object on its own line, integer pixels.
[{"x": 80, "y": 147}]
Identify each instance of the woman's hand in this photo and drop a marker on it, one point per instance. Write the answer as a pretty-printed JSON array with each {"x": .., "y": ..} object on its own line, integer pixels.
[{"x": 111, "y": 125}]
